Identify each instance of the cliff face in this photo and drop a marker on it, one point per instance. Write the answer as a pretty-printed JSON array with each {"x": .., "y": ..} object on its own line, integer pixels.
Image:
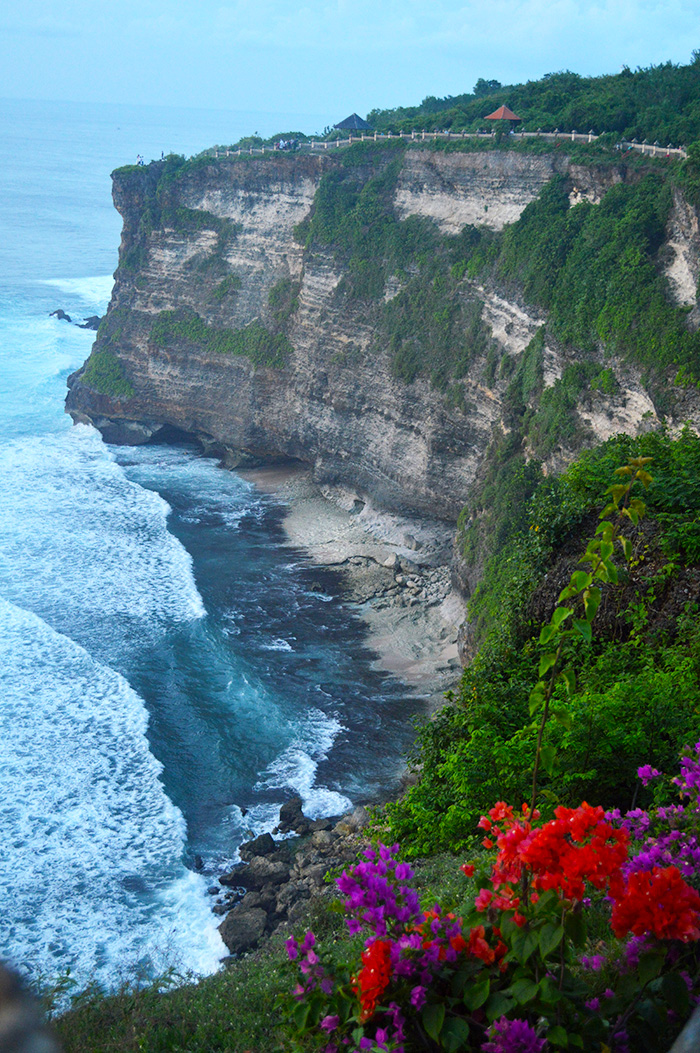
[{"x": 211, "y": 249}]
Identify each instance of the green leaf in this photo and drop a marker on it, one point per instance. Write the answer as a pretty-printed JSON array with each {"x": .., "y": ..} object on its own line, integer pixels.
[
  {"x": 675, "y": 991},
  {"x": 584, "y": 629},
  {"x": 650, "y": 966},
  {"x": 498, "y": 1005},
  {"x": 560, "y": 614},
  {"x": 569, "y": 677},
  {"x": 626, "y": 546},
  {"x": 580, "y": 580},
  {"x": 537, "y": 696},
  {"x": 548, "y": 992},
  {"x": 562, "y": 716},
  {"x": 476, "y": 994},
  {"x": 433, "y": 1017},
  {"x": 301, "y": 1015},
  {"x": 557, "y": 1036},
  {"x": 548, "y": 756},
  {"x": 547, "y": 661},
  {"x": 455, "y": 1034},
  {"x": 550, "y": 937},
  {"x": 575, "y": 927},
  {"x": 546, "y": 633},
  {"x": 591, "y": 602},
  {"x": 523, "y": 990},
  {"x": 524, "y": 942},
  {"x": 575, "y": 1040}
]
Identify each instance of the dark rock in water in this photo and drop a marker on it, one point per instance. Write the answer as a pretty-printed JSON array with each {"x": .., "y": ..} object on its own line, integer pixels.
[
  {"x": 21, "y": 1028},
  {"x": 242, "y": 928},
  {"x": 291, "y": 814},
  {"x": 61, "y": 315},
  {"x": 213, "y": 890},
  {"x": 259, "y": 846},
  {"x": 93, "y": 322},
  {"x": 198, "y": 863}
]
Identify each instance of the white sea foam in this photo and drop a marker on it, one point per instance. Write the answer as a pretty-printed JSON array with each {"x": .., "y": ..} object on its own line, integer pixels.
[
  {"x": 95, "y": 291},
  {"x": 277, "y": 645},
  {"x": 83, "y": 546},
  {"x": 297, "y": 765},
  {"x": 91, "y": 876}
]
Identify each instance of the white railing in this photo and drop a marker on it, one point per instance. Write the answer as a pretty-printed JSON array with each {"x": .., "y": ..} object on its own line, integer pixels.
[{"x": 652, "y": 149}]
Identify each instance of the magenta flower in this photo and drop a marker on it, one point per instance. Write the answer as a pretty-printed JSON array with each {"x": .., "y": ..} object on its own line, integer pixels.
[
  {"x": 330, "y": 1023},
  {"x": 513, "y": 1036},
  {"x": 646, "y": 773}
]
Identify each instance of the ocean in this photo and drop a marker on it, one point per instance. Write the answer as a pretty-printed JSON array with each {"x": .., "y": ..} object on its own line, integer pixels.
[{"x": 170, "y": 670}]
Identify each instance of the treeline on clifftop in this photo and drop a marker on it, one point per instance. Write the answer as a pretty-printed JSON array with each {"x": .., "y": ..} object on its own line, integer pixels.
[
  {"x": 637, "y": 695},
  {"x": 657, "y": 104}
]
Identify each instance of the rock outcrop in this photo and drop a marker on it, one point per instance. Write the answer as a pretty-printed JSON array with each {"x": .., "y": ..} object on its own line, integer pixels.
[{"x": 270, "y": 890}]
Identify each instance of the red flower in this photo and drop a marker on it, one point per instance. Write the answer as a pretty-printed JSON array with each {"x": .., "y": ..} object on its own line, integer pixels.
[
  {"x": 478, "y": 947},
  {"x": 467, "y": 869},
  {"x": 374, "y": 976},
  {"x": 575, "y": 847},
  {"x": 660, "y": 902}
]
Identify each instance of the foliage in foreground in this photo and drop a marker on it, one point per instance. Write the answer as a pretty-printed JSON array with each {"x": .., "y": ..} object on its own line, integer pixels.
[
  {"x": 512, "y": 977},
  {"x": 636, "y": 698}
]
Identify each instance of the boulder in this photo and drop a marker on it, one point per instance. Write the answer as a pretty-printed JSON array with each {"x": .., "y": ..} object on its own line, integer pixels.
[
  {"x": 259, "y": 846},
  {"x": 291, "y": 814},
  {"x": 61, "y": 315},
  {"x": 242, "y": 928},
  {"x": 353, "y": 822},
  {"x": 260, "y": 871}
]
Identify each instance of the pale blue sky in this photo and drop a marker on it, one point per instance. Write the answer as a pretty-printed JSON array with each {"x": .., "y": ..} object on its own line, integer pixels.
[{"x": 321, "y": 56}]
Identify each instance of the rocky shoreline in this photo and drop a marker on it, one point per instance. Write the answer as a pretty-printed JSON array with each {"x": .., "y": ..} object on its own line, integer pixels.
[
  {"x": 269, "y": 891},
  {"x": 396, "y": 572}
]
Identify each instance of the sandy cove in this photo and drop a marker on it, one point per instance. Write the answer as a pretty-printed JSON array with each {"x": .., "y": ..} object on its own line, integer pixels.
[{"x": 396, "y": 572}]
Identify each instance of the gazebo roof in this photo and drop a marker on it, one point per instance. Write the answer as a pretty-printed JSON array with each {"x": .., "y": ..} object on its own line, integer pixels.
[
  {"x": 354, "y": 123},
  {"x": 502, "y": 114}
]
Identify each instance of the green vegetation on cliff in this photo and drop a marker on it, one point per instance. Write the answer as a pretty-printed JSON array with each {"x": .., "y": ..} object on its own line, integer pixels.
[
  {"x": 637, "y": 694},
  {"x": 105, "y": 374},
  {"x": 255, "y": 342}
]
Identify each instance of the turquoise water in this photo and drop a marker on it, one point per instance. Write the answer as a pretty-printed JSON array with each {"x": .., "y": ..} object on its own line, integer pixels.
[{"x": 169, "y": 672}]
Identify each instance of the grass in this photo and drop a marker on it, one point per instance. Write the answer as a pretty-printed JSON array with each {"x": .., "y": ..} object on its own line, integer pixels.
[{"x": 237, "y": 1010}]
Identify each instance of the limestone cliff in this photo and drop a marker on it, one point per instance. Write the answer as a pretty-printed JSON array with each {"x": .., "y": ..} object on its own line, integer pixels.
[{"x": 229, "y": 323}]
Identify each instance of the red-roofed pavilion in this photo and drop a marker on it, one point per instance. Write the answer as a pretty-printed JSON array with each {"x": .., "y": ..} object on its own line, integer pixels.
[{"x": 503, "y": 113}]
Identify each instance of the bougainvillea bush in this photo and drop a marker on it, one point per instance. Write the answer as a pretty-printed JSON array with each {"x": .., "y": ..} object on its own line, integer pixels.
[
  {"x": 582, "y": 931},
  {"x": 583, "y": 935}
]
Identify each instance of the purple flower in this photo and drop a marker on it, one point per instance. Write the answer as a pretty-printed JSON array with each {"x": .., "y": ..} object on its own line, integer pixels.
[
  {"x": 309, "y": 942},
  {"x": 418, "y": 997},
  {"x": 593, "y": 962},
  {"x": 646, "y": 773},
  {"x": 292, "y": 948},
  {"x": 513, "y": 1036},
  {"x": 330, "y": 1023},
  {"x": 593, "y": 1005}
]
